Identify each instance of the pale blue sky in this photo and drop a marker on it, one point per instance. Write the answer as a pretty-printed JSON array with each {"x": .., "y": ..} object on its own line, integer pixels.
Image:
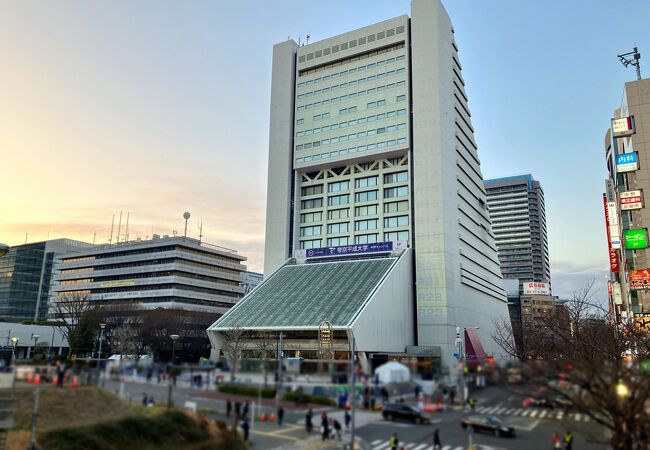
[{"x": 156, "y": 107}]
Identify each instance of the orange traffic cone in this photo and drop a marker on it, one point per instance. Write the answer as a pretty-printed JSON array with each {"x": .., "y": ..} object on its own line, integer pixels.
[
  {"x": 55, "y": 380},
  {"x": 75, "y": 381},
  {"x": 37, "y": 379},
  {"x": 272, "y": 418},
  {"x": 30, "y": 378},
  {"x": 263, "y": 417}
]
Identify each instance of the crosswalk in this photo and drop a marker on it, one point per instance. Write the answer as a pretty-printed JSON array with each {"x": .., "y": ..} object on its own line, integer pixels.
[
  {"x": 380, "y": 444},
  {"x": 532, "y": 413}
]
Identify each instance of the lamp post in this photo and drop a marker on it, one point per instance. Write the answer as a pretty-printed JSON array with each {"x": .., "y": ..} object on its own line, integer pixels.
[
  {"x": 14, "y": 341},
  {"x": 35, "y": 337},
  {"x": 99, "y": 354},
  {"x": 173, "y": 337}
]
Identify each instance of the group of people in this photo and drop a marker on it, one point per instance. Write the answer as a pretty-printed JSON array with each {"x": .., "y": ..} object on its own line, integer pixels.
[
  {"x": 567, "y": 441},
  {"x": 327, "y": 424},
  {"x": 393, "y": 442},
  {"x": 147, "y": 401},
  {"x": 240, "y": 414}
]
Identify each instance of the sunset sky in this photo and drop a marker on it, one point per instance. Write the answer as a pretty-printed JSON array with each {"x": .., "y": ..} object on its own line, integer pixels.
[{"x": 158, "y": 107}]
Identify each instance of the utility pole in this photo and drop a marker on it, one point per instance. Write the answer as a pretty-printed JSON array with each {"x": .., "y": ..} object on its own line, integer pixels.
[
  {"x": 635, "y": 60},
  {"x": 278, "y": 392},
  {"x": 351, "y": 395}
]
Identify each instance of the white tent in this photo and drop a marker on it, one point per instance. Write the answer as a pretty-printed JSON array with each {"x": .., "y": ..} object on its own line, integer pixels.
[{"x": 393, "y": 372}]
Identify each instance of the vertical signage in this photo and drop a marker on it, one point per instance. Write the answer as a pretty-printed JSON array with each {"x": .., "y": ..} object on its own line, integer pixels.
[
  {"x": 614, "y": 233},
  {"x": 613, "y": 256}
]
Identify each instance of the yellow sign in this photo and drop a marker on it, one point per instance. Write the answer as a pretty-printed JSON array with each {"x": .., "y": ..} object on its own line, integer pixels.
[{"x": 117, "y": 283}]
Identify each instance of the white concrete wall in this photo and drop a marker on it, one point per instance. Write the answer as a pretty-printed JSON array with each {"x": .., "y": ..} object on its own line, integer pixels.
[{"x": 278, "y": 206}]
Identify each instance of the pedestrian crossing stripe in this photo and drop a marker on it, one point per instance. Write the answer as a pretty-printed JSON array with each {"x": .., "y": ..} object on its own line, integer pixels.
[
  {"x": 380, "y": 445},
  {"x": 532, "y": 413}
]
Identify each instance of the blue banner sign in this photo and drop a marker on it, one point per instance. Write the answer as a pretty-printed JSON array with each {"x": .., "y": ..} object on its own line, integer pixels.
[
  {"x": 357, "y": 249},
  {"x": 627, "y": 162}
]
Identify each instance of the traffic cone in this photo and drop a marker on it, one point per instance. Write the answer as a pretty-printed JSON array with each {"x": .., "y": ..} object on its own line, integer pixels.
[
  {"x": 30, "y": 378},
  {"x": 75, "y": 381},
  {"x": 55, "y": 380},
  {"x": 263, "y": 417},
  {"x": 272, "y": 418},
  {"x": 37, "y": 379}
]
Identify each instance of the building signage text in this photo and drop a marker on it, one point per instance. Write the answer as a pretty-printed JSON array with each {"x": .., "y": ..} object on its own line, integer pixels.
[
  {"x": 535, "y": 288},
  {"x": 631, "y": 200},
  {"x": 636, "y": 239},
  {"x": 627, "y": 162},
  {"x": 640, "y": 279},
  {"x": 622, "y": 127}
]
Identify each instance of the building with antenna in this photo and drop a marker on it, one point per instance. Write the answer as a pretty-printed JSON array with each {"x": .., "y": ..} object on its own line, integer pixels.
[
  {"x": 178, "y": 273},
  {"x": 25, "y": 276},
  {"x": 377, "y": 220}
]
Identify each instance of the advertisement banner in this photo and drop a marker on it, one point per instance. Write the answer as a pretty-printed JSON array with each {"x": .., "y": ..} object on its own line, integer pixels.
[
  {"x": 627, "y": 162},
  {"x": 640, "y": 279},
  {"x": 346, "y": 250},
  {"x": 616, "y": 293},
  {"x": 613, "y": 256},
  {"x": 631, "y": 200},
  {"x": 536, "y": 288},
  {"x": 636, "y": 239},
  {"x": 623, "y": 127}
]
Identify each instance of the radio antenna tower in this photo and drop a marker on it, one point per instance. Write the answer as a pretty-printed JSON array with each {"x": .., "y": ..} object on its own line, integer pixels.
[{"x": 632, "y": 58}]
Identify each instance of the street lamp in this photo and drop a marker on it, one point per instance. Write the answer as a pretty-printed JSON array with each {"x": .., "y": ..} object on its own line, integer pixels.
[
  {"x": 14, "y": 340},
  {"x": 35, "y": 337},
  {"x": 99, "y": 354},
  {"x": 622, "y": 390},
  {"x": 173, "y": 337}
]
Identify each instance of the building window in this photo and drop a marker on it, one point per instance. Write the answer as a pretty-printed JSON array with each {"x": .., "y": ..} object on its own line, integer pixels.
[
  {"x": 401, "y": 191},
  {"x": 366, "y": 239},
  {"x": 365, "y": 182},
  {"x": 338, "y": 214},
  {"x": 394, "y": 222},
  {"x": 395, "y": 177},
  {"x": 401, "y": 98},
  {"x": 314, "y": 243},
  {"x": 338, "y": 186},
  {"x": 315, "y": 230},
  {"x": 313, "y": 203},
  {"x": 396, "y": 236},
  {"x": 334, "y": 242},
  {"x": 311, "y": 217},
  {"x": 365, "y": 196},
  {"x": 363, "y": 225},
  {"x": 338, "y": 200},
  {"x": 312, "y": 190},
  {"x": 396, "y": 206},
  {"x": 369, "y": 210},
  {"x": 300, "y": 121},
  {"x": 342, "y": 227}
]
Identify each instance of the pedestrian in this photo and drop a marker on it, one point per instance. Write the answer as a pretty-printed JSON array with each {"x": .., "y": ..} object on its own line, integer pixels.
[
  {"x": 372, "y": 403},
  {"x": 393, "y": 442},
  {"x": 144, "y": 399},
  {"x": 337, "y": 429},
  {"x": 436, "y": 440},
  {"x": 60, "y": 373},
  {"x": 324, "y": 426},
  {"x": 309, "y": 425},
  {"x": 228, "y": 407},
  {"x": 348, "y": 419},
  {"x": 245, "y": 426},
  {"x": 384, "y": 395},
  {"x": 568, "y": 441},
  {"x": 244, "y": 412},
  {"x": 417, "y": 391},
  {"x": 280, "y": 415},
  {"x": 237, "y": 410},
  {"x": 557, "y": 441},
  {"x": 150, "y": 403},
  {"x": 452, "y": 394}
]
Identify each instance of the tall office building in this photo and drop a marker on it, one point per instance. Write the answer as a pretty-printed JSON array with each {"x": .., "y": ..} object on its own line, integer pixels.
[
  {"x": 627, "y": 149},
  {"x": 25, "y": 276},
  {"x": 171, "y": 272},
  {"x": 517, "y": 210},
  {"x": 371, "y": 142}
]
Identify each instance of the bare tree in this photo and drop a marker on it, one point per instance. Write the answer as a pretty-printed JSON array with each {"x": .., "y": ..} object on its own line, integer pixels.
[
  {"x": 266, "y": 348},
  {"x": 70, "y": 310},
  {"x": 586, "y": 360},
  {"x": 124, "y": 340},
  {"x": 233, "y": 347}
]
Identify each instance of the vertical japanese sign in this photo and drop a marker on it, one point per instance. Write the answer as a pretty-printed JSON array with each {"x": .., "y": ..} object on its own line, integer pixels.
[{"x": 613, "y": 256}]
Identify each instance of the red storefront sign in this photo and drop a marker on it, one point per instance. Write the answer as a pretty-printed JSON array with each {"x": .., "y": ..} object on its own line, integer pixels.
[
  {"x": 640, "y": 279},
  {"x": 613, "y": 256}
]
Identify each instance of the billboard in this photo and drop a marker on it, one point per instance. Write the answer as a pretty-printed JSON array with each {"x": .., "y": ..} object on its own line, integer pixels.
[
  {"x": 612, "y": 223},
  {"x": 635, "y": 239},
  {"x": 631, "y": 200},
  {"x": 348, "y": 250},
  {"x": 613, "y": 256},
  {"x": 640, "y": 279},
  {"x": 627, "y": 162},
  {"x": 535, "y": 288},
  {"x": 623, "y": 127}
]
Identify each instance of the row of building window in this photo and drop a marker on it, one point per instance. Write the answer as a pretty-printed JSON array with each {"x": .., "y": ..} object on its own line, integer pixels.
[
  {"x": 350, "y": 137},
  {"x": 353, "y": 70},
  {"x": 359, "y": 239},
  {"x": 344, "y": 97},
  {"x": 367, "y": 210},
  {"x": 359, "y": 225},
  {"x": 359, "y": 183},
  {"x": 344, "y": 199},
  {"x": 349, "y": 123}
]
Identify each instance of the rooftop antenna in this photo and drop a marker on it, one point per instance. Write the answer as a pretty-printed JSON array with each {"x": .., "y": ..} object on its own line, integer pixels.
[
  {"x": 119, "y": 228},
  {"x": 126, "y": 232},
  {"x": 94, "y": 236},
  {"x": 200, "y": 231},
  {"x": 308, "y": 36},
  {"x": 186, "y": 216},
  {"x": 110, "y": 240},
  {"x": 635, "y": 60},
  {"x": 26, "y": 234}
]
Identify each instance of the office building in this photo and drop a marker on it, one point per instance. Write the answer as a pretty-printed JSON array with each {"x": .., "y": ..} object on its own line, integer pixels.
[
  {"x": 372, "y": 152},
  {"x": 25, "y": 276},
  {"x": 251, "y": 281},
  {"x": 171, "y": 272},
  {"x": 517, "y": 210},
  {"x": 627, "y": 149}
]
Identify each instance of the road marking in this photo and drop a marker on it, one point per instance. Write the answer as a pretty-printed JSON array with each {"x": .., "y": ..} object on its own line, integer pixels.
[
  {"x": 530, "y": 427},
  {"x": 518, "y": 411},
  {"x": 525, "y": 413},
  {"x": 491, "y": 410},
  {"x": 559, "y": 415},
  {"x": 481, "y": 408},
  {"x": 420, "y": 447},
  {"x": 543, "y": 414},
  {"x": 446, "y": 447},
  {"x": 376, "y": 441},
  {"x": 410, "y": 445},
  {"x": 500, "y": 410},
  {"x": 510, "y": 411},
  {"x": 533, "y": 413},
  {"x": 379, "y": 447},
  {"x": 577, "y": 417}
]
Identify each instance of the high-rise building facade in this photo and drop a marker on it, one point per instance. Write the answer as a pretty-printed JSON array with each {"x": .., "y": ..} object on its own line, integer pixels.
[
  {"x": 517, "y": 210},
  {"x": 25, "y": 276},
  {"x": 627, "y": 149},
  {"x": 371, "y": 140},
  {"x": 171, "y": 272}
]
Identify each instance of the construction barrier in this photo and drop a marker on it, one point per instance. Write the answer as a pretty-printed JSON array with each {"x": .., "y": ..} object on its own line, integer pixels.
[{"x": 75, "y": 381}]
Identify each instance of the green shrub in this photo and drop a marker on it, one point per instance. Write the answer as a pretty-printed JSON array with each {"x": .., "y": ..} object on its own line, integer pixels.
[
  {"x": 248, "y": 391},
  {"x": 315, "y": 399}
]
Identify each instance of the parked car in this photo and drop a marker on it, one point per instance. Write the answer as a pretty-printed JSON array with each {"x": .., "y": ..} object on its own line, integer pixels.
[
  {"x": 489, "y": 424},
  {"x": 394, "y": 411}
]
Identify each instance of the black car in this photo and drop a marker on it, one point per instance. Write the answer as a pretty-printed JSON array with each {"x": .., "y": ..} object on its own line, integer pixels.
[
  {"x": 394, "y": 411},
  {"x": 489, "y": 424}
]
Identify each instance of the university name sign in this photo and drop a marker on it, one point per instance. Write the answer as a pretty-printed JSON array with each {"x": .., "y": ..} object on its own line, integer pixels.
[
  {"x": 347, "y": 250},
  {"x": 631, "y": 200},
  {"x": 627, "y": 162},
  {"x": 623, "y": 127}
]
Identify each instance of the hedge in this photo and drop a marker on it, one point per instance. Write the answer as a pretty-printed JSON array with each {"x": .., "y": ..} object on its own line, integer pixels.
[
  {"x": 315, "y": 399},
  {"x": 236, "y": 389}
]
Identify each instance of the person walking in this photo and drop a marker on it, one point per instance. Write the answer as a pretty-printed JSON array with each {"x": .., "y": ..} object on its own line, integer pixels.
[
  {"x": 436, "y": 440},
  {"x": 309, "y": 425},
  {"x": 245, "y": 426},
  {"x": 348, "y": 419},
  {"x": 228, "y": 407},
  {"x": 280, "y": 415},
  {"x": 452, "y": 394},
  {"x": 393, "y": 442},
  {"x": 244, "y": 412},
  {"x": 324, "y": 426},
  {"x": 557, "y": 441},
  {"x": 237, "y": 410},
  {"x": 568, "y": 441},
  {"x": 337, "y": 429}
]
